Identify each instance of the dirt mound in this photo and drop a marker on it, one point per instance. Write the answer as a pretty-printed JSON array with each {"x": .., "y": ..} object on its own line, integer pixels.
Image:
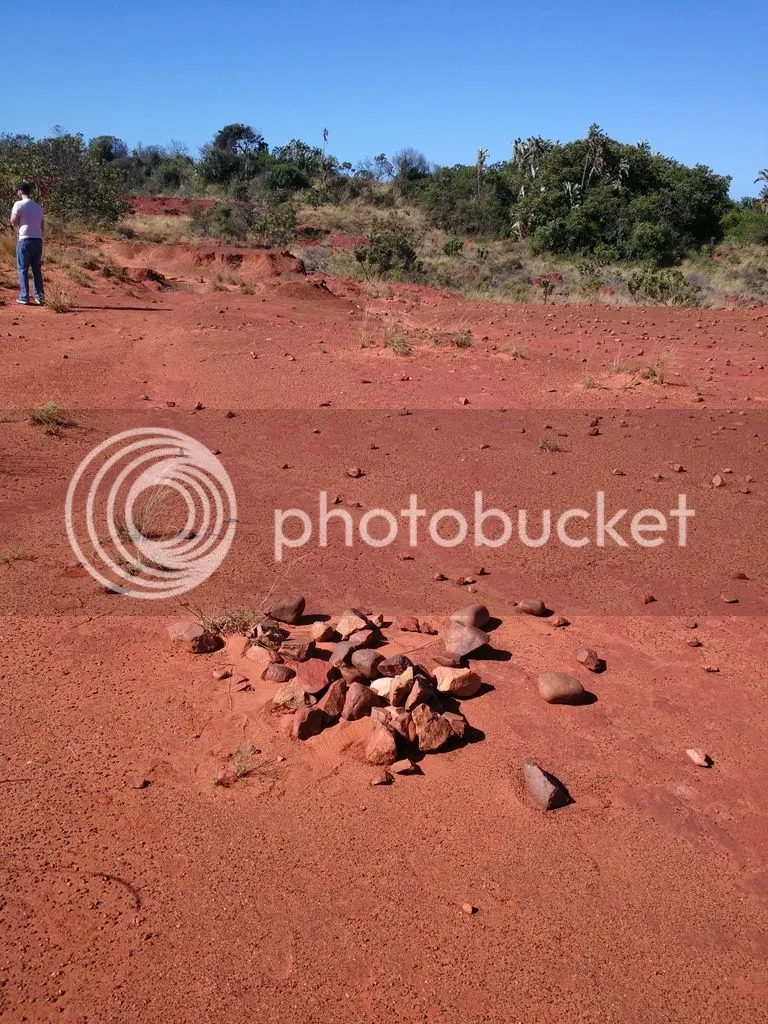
[
  {"x": 304, "y": 290},
  {"x": 253, "y": 264}
]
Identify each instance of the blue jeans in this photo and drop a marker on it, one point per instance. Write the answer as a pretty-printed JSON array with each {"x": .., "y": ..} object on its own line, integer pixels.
[{"x": 29, "y": 255}]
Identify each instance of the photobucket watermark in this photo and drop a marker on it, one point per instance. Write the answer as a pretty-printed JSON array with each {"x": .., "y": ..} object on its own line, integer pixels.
[{"x": 483, "y": 527}]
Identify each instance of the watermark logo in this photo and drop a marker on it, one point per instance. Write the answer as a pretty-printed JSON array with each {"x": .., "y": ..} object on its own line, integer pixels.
[
  {"x": 485, "y": 527},
  {"x": 150, "y": 513}
]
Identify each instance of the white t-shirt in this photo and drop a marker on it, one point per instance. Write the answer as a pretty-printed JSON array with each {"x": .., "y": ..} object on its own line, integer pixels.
[{"x": 30, "y": 218}]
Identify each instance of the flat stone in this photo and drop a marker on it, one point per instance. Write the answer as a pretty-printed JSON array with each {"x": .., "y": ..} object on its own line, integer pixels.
[
  {"x": 221, "y": 673},
  {"x": 381, "y": 747},
  {"x": 404, "y": 767},
  {"x": 308, "y": 722},
  {"x": 313, "y": 675},
  {"x": 546, "y": 790},
  {"x": 382, "y": 778},
  {"x": 462, "y": 640},
  {"x": 195, "y": 637},
  {"x": 729, "y": 599},
  {"x": 459, "y": 682},
  {"x": 689, "y": 623},
  {"x": 432, "y": 731},
  {"x": 531, "y": 606},
  {"x": 297, "y": 650},
  {"x": 560, "y": 688},
  {"x": 473, "y": 615},
  {"x": 359, "y": 701},
  {"x": 589, "y": 658},
  {"x": 287, "y": 609}
]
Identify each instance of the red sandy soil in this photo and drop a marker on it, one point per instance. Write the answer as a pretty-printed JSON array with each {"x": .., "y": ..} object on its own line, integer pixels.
[
  {"x": 167, "y": 206},
  {"x": 301, "y": 893}
]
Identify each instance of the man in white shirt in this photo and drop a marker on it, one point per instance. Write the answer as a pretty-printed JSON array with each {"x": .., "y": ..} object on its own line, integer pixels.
[{"x": 27, "y": 218}]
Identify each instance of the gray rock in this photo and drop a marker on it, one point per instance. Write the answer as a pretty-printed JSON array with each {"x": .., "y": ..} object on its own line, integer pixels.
[
  {"x": 472, "y": 615},
  {"x": 544, "y": 788},
  {"x": 462, "y": 640}
]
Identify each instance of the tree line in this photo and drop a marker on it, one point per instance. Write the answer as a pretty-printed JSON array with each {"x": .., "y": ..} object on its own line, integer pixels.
[{"x": 593, "y": 196}]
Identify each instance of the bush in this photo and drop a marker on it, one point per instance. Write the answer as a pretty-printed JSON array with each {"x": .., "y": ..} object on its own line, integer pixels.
[
  {"x": 747, "y": 225},
  {"x": 666, "y": 286},
  {"x": 453, "y": 246},
  {"x": 390, "y": 248},
  {"x": 227, "y": 221}
]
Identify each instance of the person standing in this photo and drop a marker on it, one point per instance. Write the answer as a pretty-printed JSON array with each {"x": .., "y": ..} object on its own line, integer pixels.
[{"x": 27, "y": 217}]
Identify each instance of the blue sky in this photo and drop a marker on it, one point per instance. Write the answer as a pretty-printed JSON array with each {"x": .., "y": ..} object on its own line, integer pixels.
[{"x": 446, "y": 77}]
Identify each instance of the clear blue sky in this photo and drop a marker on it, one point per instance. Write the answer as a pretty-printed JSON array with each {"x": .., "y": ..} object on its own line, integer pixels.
[{"x": 690, "y": 76}]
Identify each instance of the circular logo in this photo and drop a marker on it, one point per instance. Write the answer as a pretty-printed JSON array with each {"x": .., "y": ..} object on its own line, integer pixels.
[{"x": 158, "y": 511}]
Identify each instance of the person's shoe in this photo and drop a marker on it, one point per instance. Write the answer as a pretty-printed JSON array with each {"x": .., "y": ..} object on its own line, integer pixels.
[
  {"x": 39, "y": 300},
  {"x": 23, "y": 302}
]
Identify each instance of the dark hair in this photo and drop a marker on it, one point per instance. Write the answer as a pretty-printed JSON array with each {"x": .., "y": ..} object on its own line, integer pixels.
[{"x": 26, "y": 187}]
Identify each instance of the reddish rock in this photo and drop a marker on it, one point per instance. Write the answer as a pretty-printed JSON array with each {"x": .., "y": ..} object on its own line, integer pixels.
[
  {"x": 333, "y": 700},
  {"x": 560, "y": 688},
  {"x": 448, "y": 660},
  {"x": 648, "y": 598},
  {"x": 432, "y": 730},
  {"x": 544, "y": 788},
  {"x": 458, "y": 723},
  {"x": 589, "y": 659},
  {"x": 350, "y": 674},
  {"x": 195, "y": 637},
  {"x": 313, "y": 675},
  {"x": 402, "y": 723},
  {"x": 560, "y": 622},
  {"x": 309, "y": 722},
  {"x": 287, "y": 609},
  {"x": 472, "y": 615},
  {"x": 360, "y": 638},
  {"x": 297, "y": 650},
  {"x": 382, "y": 778},
  {"x": 422, "y": 691},
  {"x": 458, "y": 682},
  {"x": 395, "y": 665},
  {"x": 366, "y": 662},
  {"x": 689, "y": 623},
  {"x": 427, "y": 628},
  {"x": 531, "y": 606},
  {"x": 729, "y": 599},
  {"x": 340, "y": 654},
  {"x": 409, "y": 624},
  {"x": 462, "y": 640},
  {"x": 381, "y": 715},
  {"x": 381, "y": 747},
  {"x": 359, "y": 701},
  {"x": 404, "y": 767},
  {"x": 221, "y": 673},
  {"x": 277, "y": 673}
]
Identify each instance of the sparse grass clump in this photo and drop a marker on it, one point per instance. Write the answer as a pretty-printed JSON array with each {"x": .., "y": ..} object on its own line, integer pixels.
[
  {"x": 51, "y": 416},
  {"x": 398, "y": 343},
  {"x": 230, "y": 621},
  {"x": 461, "y": 339},
  {"x": 548, "y": 444},
  {"x": 58, "y": 299},
  {"x": 515, "y": 352},
  {"x": 656, "y": 372},
  {"x": 15, "y": 554},
  {"x": 589, "y": 381}
]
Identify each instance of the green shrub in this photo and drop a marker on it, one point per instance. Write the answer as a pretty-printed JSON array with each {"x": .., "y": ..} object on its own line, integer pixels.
[
  {"x": 453, "y": 246},
  {"x": 390, "y": 248},
  {"x": 669, "y": 287}
]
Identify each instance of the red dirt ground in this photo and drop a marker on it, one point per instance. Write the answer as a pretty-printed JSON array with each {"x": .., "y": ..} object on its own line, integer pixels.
[{"x": 300, "y": 893}]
